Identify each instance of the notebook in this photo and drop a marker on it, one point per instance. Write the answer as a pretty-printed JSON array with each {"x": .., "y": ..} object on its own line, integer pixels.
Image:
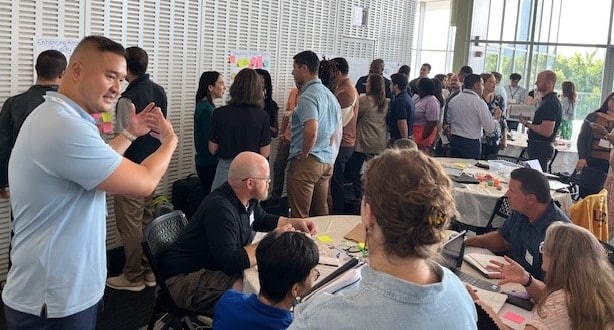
[
  {"x": 452, "y": 258},
  {"x": 480, "y": 261}
]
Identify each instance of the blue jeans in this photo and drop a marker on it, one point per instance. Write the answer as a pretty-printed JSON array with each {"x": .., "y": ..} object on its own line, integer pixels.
[{"x": 85, "y": 319}]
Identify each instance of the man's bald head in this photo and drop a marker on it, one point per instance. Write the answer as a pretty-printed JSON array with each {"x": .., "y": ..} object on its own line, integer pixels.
[
  {"x": 248, "y": 165},
  {"x": 545, "y": 81}
]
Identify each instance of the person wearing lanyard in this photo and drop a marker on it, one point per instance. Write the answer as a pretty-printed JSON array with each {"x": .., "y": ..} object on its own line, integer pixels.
[{"x": 516, "y": 93}]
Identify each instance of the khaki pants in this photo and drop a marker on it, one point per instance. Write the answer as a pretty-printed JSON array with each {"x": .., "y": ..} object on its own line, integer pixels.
[
  {"x": 308, "y": 185},
  {"x": 199, "y": 291},
  {"x": 132, "y": 214}
]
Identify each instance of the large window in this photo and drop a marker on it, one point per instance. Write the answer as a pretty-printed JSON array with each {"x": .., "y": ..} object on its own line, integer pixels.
[{"x": 434, "y": 38}]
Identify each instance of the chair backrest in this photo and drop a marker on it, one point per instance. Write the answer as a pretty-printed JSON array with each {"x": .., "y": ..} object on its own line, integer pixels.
[
  {"x": 609, "y": 249},
  {"x": 163, "y": 231},
  {"x": 502, "y": 209},
  {"x": 592, "y": 214}
]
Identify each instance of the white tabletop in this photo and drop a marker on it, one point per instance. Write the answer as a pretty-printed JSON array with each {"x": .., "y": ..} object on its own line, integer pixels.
[
  {"x": 336, "y": 226},
  {"x": 566, "y": 158},
  {"x": 475, "y": 202}
]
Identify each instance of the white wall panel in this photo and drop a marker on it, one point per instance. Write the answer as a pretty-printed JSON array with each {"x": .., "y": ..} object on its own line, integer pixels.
[{"x": 186, "y": 37}]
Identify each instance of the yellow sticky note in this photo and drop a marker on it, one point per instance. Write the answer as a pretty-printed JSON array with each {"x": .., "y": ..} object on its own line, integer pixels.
[
  {"x": 325, "y": 239},
  {"x": 361, "y": 245},
  {"x": 106, "y": 117}
]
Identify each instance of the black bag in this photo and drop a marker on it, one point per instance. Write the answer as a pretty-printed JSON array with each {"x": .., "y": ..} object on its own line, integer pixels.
[
  {"x": 589, "y": 181},
  {"x": 187, "y": 194}
]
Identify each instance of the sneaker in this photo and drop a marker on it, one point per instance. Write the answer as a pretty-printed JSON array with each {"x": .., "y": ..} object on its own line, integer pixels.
[
  {"x": 150, "y": 279},
  {"x": 121, "y": 283}
]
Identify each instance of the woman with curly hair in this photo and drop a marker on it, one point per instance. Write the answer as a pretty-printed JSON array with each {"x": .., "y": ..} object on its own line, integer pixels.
[{"x": 407, "y": 203}]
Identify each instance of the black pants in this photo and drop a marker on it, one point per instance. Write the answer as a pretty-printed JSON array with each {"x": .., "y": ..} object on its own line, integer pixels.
[
  {"x": 461, "y": 147},
  {"x": 543, "y": 151},
  {"x": 336, "y": 182}
]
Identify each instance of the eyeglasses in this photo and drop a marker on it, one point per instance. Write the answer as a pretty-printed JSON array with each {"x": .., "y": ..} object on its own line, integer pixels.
[
  {"x": 316, "y": 274},
  {"x": 541, "y": 247},
  {"x": 268, "y": 180}
]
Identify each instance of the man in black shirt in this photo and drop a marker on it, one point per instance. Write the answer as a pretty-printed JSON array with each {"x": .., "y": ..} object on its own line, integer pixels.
[
  {"x": 210, "y": 255},
  {"x": 50, "y": 67},
  {"x": 377, "y": 67},
  {"x": 546, "y": 121}
]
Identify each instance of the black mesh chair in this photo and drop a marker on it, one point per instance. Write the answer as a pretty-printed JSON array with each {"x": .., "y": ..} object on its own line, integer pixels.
[
  {"x": 501, "y": 209},
  {"x": 609, "y": 249},
  {"x": 160, "y": 235}
]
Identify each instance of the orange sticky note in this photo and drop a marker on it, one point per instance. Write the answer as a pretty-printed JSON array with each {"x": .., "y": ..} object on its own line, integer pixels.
[{"x": 514, "y": 317}]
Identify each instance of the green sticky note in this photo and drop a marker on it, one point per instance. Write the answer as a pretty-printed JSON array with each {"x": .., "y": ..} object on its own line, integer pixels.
[
  {"x": 325, "y": 239},
  {"x": 106, "y": 117}
]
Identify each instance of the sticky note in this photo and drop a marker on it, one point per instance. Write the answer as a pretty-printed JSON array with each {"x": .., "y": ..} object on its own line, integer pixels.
[
  {"x": 325, "y": 239},
  {"x": 107, "y": 127},
  {"x": 106, "y": 117},
  {"x": 514, "y": 317},
  {"x": 361, "y": 245}
]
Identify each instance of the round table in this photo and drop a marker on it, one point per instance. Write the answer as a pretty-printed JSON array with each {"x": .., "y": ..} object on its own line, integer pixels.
[
  {"x": 566, "y": 152},
  {"x": 475, "y": 202}
]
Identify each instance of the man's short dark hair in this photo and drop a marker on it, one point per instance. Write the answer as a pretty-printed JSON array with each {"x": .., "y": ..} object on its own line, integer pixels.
[
  {"x": 342, "y": 65},
  {"x": 308, "y": 58},
  {"x": 533, "y": 182},
  {"x": 400, "y": 80},
  {"x": 427, "y": 65},
  {"x": 404, "y": 69},
  {"x": 50, "y": 64},
  {"x": 515, "y": 76},
  {"x": 137, "y": 60},
  {"x": 465, "y": 70},
  {"x": 471, "y": 80},
  {"x": 283, "y": 260},
  {"x": 101, "y": 44}
]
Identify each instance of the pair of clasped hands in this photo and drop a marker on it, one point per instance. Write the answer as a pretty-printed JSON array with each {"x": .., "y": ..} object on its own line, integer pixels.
[{"x": 150, "y": 121}]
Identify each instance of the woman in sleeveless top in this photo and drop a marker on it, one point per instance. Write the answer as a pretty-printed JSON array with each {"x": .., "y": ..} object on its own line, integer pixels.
[{"x": 568, "y": 105}]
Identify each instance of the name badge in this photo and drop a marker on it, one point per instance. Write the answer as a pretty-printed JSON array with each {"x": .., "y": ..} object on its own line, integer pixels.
[
  {"x": 528, "y": 257},
  {"x": 604, "y": 143}
]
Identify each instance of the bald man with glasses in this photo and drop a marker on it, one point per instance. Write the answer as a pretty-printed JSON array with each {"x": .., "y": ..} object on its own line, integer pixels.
[{"x": 210, "y": 255}]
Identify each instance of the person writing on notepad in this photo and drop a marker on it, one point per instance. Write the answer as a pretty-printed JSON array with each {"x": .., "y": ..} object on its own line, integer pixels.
[
  {"x": 404, "y": 213},
  {"x": 533, "y": 211},
  {"x": 578, "y": 290}
]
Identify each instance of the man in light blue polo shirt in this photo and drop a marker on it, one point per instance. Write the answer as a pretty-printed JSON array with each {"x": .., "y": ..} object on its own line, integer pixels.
[
  {"x": 316, "y": 137},
  {"x": 59, "y": 171}
]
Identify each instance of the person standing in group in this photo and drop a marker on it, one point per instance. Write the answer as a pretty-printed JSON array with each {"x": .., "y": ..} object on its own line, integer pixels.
[
  {"x": 428, "y": 108},
  {"x": 58, "y": 182},
  {"x": 316, "y": 135},
  {"x": 347, "y": 96},
  {"x": 402, "y": 110},
  {"x": 568, "y": 107},
  {"x": 468, "y": 117},
  {"x": 270, "y": 106},
  {"x": 132, "y": 214},
  {"x": 242, "y": 125},
  {"x": 283, "y": 147},
  {"x": 210, "y": 86},
  {"x": 377, "y": 67},
  {"x": 546, "y": 121},
  {"x": 371, "y": 128},
  {"x": 515, "y": 92},
  {"x": 50, "y": 67},
  {"x": 492, "y": 142}
]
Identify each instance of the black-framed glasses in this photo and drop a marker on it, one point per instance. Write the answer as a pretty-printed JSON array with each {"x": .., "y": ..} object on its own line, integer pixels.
[
  {"x": 541, "y": 247},
  {"x": 268, "y": 179},
  {"x": 316, "y": 274}
]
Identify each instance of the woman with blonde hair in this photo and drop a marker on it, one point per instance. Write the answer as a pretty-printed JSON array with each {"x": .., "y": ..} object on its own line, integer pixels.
[
  {"x": 568, "y": 105},
  {"x": 408, "y": 200},
  {"x": 578, "y": 290}
]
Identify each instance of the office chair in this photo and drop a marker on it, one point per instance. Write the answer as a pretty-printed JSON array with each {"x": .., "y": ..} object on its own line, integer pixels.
[
  {"x": 502, "y": 209},
  {"x": 159, "y": 236}
]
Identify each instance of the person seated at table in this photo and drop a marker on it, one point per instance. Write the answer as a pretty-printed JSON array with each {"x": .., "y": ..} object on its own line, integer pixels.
[
  {"x": 579, "y": 287},
  {"x": 407, "y": 203},
  {"x": 210, "y": 255},
  {"x": 533, "y": 210},
  {"x": 286, "y": 270}
]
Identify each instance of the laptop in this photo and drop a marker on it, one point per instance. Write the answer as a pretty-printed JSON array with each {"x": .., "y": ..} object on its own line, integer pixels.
[{"x": 452, "y": 258}]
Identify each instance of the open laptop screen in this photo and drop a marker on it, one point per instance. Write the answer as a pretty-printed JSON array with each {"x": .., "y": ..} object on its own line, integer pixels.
[{"x": 452, "y": 252}]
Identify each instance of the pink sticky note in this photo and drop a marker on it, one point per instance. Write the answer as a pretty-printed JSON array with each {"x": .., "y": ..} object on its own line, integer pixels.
[
  {"x": 107, "y": 127},
  {"x": 513, "y": 317}
]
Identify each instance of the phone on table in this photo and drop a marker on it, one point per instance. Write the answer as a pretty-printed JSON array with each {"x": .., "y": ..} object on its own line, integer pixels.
[{"x": 525, "y": 304}]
